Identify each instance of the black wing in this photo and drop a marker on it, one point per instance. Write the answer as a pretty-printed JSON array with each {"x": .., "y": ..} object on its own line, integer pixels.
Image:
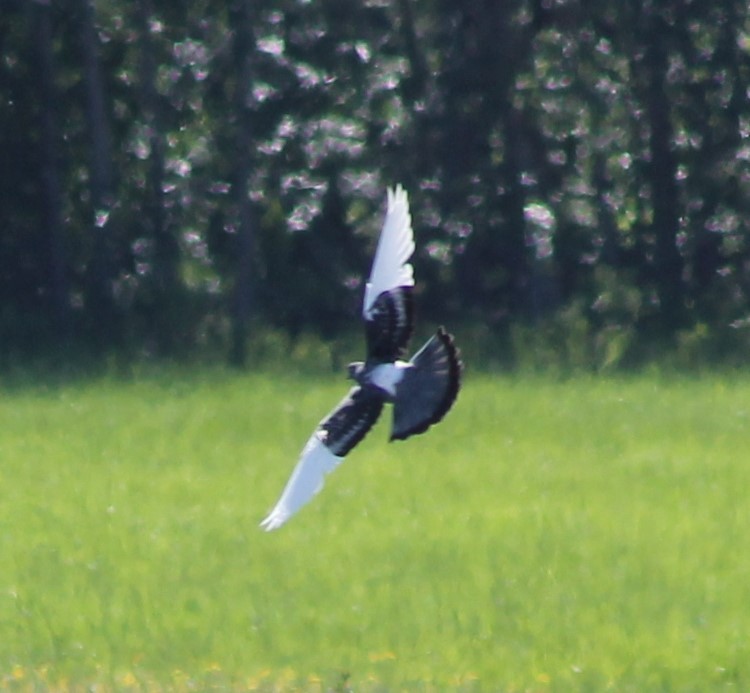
[
  {"x": 390, "y": 324},
  {"x": 351, "y": 420}
]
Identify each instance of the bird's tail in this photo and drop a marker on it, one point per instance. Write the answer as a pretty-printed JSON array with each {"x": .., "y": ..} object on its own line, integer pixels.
[{"x": 428, "y": 389}]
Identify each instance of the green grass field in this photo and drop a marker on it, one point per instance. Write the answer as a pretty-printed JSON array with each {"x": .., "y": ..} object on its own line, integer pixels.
[{"x": 550, "y": 535}]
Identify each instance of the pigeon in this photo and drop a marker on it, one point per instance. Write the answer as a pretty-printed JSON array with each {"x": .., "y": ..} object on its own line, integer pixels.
[{"x": 421, "y": 390}]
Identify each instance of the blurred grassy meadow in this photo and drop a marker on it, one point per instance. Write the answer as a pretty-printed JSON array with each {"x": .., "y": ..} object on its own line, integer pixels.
[{"x": 552, "y": 534}]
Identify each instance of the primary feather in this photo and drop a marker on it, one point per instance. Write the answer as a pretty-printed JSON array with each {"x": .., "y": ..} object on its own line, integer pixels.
[
  {"x": 390, "y": 268},
  {"x": 315, "y": 462}
]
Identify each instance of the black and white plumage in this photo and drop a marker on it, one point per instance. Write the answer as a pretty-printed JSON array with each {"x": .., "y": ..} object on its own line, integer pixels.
[{"x": 422, "y": 390}]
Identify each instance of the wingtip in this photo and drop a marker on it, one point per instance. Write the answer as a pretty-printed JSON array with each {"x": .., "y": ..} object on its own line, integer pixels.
[
  {"x": 397, "y": 195},
  {"x": 272, "y": 522}
]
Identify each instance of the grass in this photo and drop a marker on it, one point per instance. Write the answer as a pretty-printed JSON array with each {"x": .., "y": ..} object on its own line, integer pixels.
[{"x": 550, "y": 535}]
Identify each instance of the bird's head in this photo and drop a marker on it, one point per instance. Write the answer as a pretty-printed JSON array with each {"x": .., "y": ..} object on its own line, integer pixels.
[{"x": 355, "y": 370}]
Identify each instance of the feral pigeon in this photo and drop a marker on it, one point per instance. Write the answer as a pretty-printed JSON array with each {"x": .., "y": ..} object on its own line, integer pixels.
[{"x": 421, "y": 389}]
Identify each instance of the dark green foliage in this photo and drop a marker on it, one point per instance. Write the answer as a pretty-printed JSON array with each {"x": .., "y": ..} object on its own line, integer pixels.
[{"x": 176, "y": 178}]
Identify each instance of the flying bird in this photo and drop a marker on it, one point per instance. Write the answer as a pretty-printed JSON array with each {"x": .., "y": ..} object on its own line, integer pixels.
[{"x": 421, "y": 390}]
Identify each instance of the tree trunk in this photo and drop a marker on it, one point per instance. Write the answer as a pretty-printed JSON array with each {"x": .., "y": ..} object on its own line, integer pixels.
[
  {"x": 164, "y": 318},
  {"x": 494, "y": 269},
  {"x": 662, "y": 174},
  {"x": 414, "y": 86},
  {"x": 243, "y": 48},
  {"x": 504, "y": 49},
  {"x": 101, "y": 265},
  {"x": 50, "y": 174}
]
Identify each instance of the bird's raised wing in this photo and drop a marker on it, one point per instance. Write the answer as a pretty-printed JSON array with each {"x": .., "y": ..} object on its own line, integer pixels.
[
  {"x": 336, "y": 435},
  {"x": 388, "y": 305}
]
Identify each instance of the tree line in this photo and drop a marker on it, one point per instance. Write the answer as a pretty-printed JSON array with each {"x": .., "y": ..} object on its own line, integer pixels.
[{"x": 185, "y": 176}]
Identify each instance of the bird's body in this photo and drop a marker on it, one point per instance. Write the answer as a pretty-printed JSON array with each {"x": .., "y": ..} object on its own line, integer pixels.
[
  {"x": 384, "y": 376},
  {"x": 421, "y": 389}
]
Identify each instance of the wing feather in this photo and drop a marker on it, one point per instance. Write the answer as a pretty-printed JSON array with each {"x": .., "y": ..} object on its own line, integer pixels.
[
  {"x": 336, "y": 435},
  {"x": 390, "y": 325},
  {"x": 307, "y": 479},
  {"x": 390, "y": 268}
]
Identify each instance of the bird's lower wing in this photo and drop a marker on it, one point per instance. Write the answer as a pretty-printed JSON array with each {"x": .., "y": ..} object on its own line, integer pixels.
[
  {"x": 338, "y": 433},
  {"x": 307, "y": 479}
]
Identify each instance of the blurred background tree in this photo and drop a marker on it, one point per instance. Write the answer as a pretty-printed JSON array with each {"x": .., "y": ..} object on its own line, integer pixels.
[{"x": 181, "y": 179}]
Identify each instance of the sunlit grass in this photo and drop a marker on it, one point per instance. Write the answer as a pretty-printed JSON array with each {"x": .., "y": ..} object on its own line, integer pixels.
[{"x": 549, "y": 535}]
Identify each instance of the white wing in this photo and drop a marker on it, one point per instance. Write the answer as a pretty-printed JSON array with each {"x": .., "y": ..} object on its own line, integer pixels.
[
  {"x": 307, "y": 479},
  {"x": 335, "y": 436},
  {"x": 390, "y": 268}
]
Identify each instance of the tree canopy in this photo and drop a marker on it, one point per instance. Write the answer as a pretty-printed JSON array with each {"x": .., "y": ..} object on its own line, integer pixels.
[{"x": 181, "y": 176}]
